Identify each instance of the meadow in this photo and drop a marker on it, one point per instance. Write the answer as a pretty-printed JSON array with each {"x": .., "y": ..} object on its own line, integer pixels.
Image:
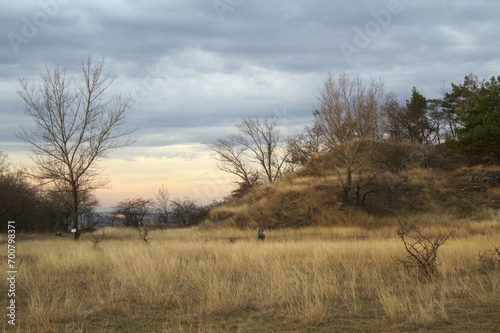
[{"x": 211, "y": 279}]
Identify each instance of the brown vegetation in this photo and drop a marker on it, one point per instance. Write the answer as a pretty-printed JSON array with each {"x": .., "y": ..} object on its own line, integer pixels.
[
  {"x": 325, "y": 279},
  {"x": 397, "y": 178}
]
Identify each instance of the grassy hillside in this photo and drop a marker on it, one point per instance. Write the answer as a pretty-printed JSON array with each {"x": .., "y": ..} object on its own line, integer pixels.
[{"x": 395, "y": 179}]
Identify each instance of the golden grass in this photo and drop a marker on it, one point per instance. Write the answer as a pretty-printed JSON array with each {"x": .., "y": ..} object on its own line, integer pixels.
[
  {"x": 430, "y": 180},
  {"x": 222, "y": 280}
]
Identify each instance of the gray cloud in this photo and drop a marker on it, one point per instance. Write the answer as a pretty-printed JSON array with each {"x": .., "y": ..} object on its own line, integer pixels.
[{"x": 193, "y": 71}]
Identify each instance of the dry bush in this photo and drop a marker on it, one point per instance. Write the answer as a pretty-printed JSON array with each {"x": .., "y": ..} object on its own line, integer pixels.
[
  {"x": 421, "y": 250},
  {"x": 144, "y": 234},
  {"x": 490, "y": 259},
  {"x": 314, "y": 198},
  {"x": 97, "y": 237}
]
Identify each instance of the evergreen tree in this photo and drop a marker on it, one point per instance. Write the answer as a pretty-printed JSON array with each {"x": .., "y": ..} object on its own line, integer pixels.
[
  {"x": 417, "y": 126},
  {"x": 479, "y": 114}
]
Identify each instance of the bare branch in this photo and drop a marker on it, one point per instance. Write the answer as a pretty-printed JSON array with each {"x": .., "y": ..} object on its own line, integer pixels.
[
  {"x": 76, "y": 125},
  {"x": 161, "y": 201},
  {"x": 97, "y": 238},
  {"x": 347, "y": 119},
  {"x": 133, "y": 211},
  {"x": 255, "y": 152},
  {"x": 421, "y": 250}
]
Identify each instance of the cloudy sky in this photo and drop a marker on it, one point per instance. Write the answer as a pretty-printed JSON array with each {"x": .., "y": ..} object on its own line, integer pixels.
[{"x": 196, "y": 67}]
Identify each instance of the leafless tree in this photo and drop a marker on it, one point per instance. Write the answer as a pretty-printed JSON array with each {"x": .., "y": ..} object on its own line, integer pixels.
[
  {"x": 76, "y": 126},
  {"x": 162, "y": 203},
  {"x": 418, "y": 120},
  {"x": 393, "y": 112},
  {"x": 4, "y": 163},
  {"x": 262, "y": 139},
  {"x": 303, "y": 146},
  {"x": 348, "y": 119},
  {"x": 257, "y": 150},
  {"x": 23, "y": 202},
  {"x": 133, "y": 211},
  {"x": 242, "y": 187},
  {"x": 185, "y": 210},
  {"x": 233, "y": 160}
]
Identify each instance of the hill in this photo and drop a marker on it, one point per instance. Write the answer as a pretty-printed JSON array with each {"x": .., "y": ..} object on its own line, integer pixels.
[{"x": 395, "y": 179}]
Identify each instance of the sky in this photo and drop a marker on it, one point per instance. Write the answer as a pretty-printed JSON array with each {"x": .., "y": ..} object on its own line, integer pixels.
[{"x": 194, "y": 68}]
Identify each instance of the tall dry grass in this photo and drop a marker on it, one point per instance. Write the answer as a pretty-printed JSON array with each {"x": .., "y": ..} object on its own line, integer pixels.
[{"x": 183, "y": 279}]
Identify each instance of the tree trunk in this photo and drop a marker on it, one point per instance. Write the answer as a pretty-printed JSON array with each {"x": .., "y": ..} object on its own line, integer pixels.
[
  {"x": 347, "y": 185},
  {"x": 74, "y": 212}
]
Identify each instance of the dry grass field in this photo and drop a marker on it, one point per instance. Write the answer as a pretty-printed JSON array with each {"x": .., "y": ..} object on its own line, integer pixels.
[{"x": 207, "y": 279}]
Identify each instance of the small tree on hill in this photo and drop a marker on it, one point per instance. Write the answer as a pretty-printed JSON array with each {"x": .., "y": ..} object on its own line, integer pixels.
[
  {"x": 392, "y": 112},
  {"x": 416, "y": 124},
  {"x": 303, "y": 146},
  {"x": 257, "y": 149},
  {"x": 348, "y": 118}
]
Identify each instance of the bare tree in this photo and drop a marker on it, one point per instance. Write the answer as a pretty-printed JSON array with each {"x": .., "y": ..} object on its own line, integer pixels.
[
  {"x": 243, "y": 186},
  {"x": 184, "y": 210},
  {"x": 348, "y": 119},
  {"x": 393, "y": 112},
  {"x": 133, "y": 211},
  {"x": 263, "y": 142},
  {"x": 418, "y": 120},
  {"x": 257, "y": 151},
  {"x": 4, "y": 163},
  {"x": 449, "y": 106},
  {"x": 23, "y": 202},
  {"x": 304, "y": 146},
  {"x": 232, "y": 160},
  {"x": 161, "y": 202},
  {"x": 76, "y": 126}
]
